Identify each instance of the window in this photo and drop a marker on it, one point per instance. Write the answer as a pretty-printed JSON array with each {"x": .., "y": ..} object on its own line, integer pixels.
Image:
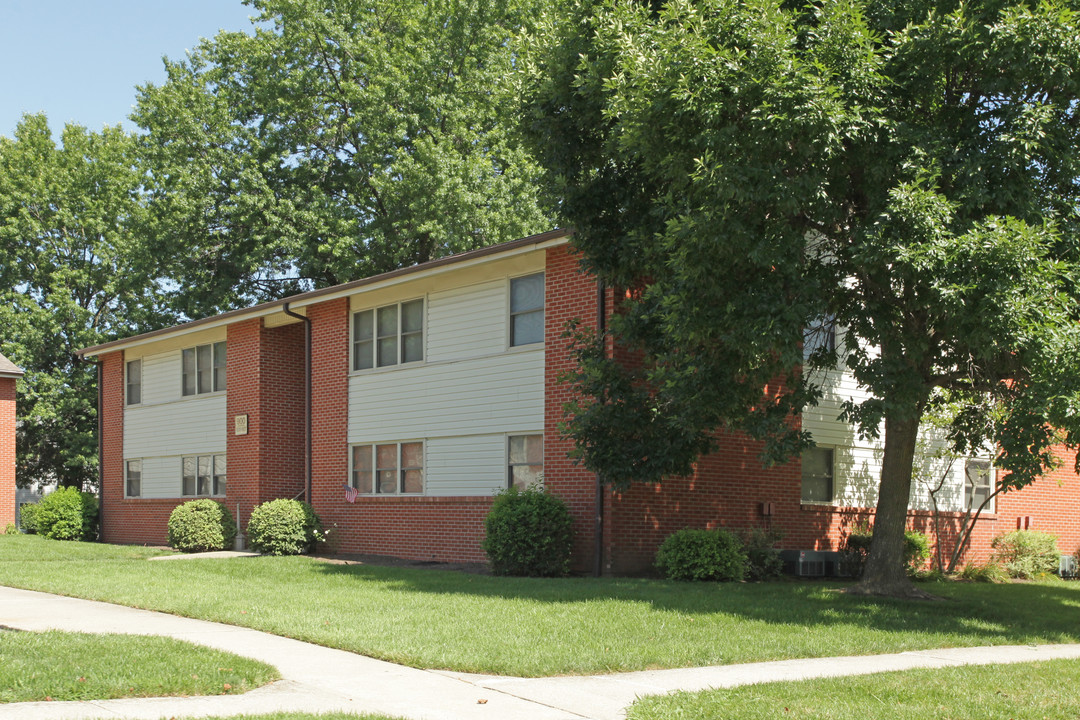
[
  {"x": 388, "y": 335},
  {"x": 389, "y": 468},
  {"x": 819, "y": 335},
  {"x": 526, "y": 461},
  {"x": 977, "y": 485},
  {"x": 203, "y": 369},
  {"x": 203, "y": 475},
  {"x": 133, "y": 479},
  {"x": 134, "y": 382},
  {"x": 817, "y": 475},
  {"x": 527, "y": 310}
]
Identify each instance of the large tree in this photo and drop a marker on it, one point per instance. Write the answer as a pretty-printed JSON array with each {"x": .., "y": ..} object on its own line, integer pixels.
[
  {"x": 340, "y": 139},
  {"x": 909, "y": 171},
  {"x": 72, "y": 274}
]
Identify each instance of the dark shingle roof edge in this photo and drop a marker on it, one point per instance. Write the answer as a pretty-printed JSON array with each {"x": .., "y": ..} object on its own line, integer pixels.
[{"x": 305, "y": 298}]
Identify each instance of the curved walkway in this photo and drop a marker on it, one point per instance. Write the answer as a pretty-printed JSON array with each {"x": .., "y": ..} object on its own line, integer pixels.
[{"x": 318, "y": 679}]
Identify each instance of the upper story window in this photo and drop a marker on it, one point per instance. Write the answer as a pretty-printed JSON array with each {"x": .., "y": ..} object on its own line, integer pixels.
[
  {"x": 389, "y": 335},
  {"x": 817, "y": 475},
  {"x": 203, "y": 369},
  {"x": 819, "y": 335},
  {"x": 977, "y": 485},
  {"x": 134, "y": 382},
  {"x": 527, "y": 310}
]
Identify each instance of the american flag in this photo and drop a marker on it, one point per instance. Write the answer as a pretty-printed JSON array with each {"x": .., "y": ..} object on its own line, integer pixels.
[{"x": 350, "y": 494}]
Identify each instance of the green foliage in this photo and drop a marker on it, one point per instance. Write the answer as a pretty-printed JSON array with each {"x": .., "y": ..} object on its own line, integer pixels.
[
  {"x": 201, "y": 525},
  {"x": 28, "y": 518},
  {"x": 528, "y": 532},
  {"x": 337, "y": 141},
  {"x": 856, "y": 550},
  {"x": 283, "y": 527},
  {"x": 693, "y": 554},
  {"x": 11, "y": 529},
  {"x": 989, "y": 573},
  {"x": 1026, "y": 553},
  {"x": 902, "y": 170},
  {"x": 763, "y": 560},
  {"x": 73, "y": 273},
  {"x": 64, "y": 514}
]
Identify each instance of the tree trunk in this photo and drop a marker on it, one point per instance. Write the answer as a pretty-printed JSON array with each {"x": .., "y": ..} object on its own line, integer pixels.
[{"x": 885, "y": 573}]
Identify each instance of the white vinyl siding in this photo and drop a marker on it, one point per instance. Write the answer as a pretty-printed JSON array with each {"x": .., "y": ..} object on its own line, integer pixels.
[
  {"x": 466, "y": 465},
  {"x": 467, "y": 322},
  {"x": 182, "y": 428},
  {"x": 504, "y": 393}
]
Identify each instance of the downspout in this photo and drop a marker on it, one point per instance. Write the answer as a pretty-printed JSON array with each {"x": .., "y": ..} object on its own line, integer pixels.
[
  {"x": 307, "y": 398},
  {"x": 101, "y": 451},
  {"x": 598, "y": 531}
]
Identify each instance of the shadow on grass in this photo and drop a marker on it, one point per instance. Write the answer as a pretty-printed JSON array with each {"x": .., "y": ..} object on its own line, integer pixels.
[{"x": 1000, "y": 613}]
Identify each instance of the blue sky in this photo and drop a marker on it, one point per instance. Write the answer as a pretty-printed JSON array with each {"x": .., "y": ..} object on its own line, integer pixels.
[{"x": 80, "y": 60}]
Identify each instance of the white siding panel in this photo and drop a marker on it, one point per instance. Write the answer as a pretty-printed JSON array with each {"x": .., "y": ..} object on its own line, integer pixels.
[
  {"x": 498, "y": 394},
  {"x": 467, "y": 322},
  {"x": 474, "y": 465},
  {"x": 161, "y": 378},
  {"x": 185, "y": 427},
  {"x": 161, "y": 477}
]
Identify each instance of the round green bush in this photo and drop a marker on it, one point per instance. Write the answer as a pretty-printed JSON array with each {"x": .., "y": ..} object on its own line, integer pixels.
[
  {"x": 283, "y": 527},
  {"x": 763, "y": 561},
  {"x": 692, "y": 554},
  {"x": 201, "y": 526},
  {"x": 528, "y": 532},
  {"x": 28, "y": 518},
  {"x": 1026, "y": 553},
  {"x": 64, "y": 514}
]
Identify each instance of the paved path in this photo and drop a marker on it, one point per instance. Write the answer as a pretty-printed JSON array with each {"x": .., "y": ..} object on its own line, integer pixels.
[{"x": 319, "y": 679}]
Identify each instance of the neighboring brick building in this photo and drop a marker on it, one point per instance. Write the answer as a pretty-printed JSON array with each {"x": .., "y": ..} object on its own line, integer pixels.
[
  {"x": 9, "y": 375},
  {"x": 431, "y": 388}
]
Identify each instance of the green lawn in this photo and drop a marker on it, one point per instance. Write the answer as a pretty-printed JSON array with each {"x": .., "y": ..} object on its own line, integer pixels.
[
  {"x": 76, "y": 666},
  {"x": 531, "y": 627},
  {"x": 1030, "y": 691}
]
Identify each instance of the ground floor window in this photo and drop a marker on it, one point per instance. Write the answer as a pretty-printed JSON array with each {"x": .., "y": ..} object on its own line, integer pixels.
[
  {"x": 817, "y": 475},
  {"x": 133, "y": 478},
  {"x": 526, "y": 461},
  {"x": 203, "y": 475},
  {"x": 388, "y": 468}
]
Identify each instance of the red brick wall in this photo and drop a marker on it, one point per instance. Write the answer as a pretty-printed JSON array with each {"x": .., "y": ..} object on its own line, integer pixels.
[
  {"x": 569, "y": 294},
  {"x": 7, "y": 451}
]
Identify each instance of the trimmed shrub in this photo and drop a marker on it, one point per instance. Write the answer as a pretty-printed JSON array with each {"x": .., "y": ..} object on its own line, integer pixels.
[
  {"x": 65, "y": 514},
  {"x": 762, "y": 558},
  {"x": 528, "y": 532},
  {"x": 283, "y": 527},
  {"x": 857, "y": 548},
  {"x": 28, "y": 518},
  {"x": 692, "y": 554},
  {"x": 1026, "y": 553},
  {"x": 201, "y": 526}
]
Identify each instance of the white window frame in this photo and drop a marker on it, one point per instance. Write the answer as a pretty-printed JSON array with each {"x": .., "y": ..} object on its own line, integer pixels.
[
  {"x": 399, "y": 333},
  {"x": 211, "y": 477},
  {"x": 127, "y": 477},
  {"x": 511, "y": 314},
  {"x": 510, "y": 464},
  {"x": 832, "y": 476},
  {"x": 399, "y": 468},
  {"x": 210, "y": 367},
  {"x": 969, "y": 495},
  {"x": 128, "y": 384}
]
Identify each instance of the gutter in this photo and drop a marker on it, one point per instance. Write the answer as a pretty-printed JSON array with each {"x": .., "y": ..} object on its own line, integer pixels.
[
  {"x": 307, "y": 397},
  {"x": 598, "y": 530}
]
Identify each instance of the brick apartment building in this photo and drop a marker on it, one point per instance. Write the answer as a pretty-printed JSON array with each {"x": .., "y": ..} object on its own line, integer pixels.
[
  {"x": 9, "y": 375},
  {"x": 430, "y": 388}
]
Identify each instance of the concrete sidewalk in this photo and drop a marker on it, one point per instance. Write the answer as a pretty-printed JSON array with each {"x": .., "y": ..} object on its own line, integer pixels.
[{"x": 318, "y": 679}]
